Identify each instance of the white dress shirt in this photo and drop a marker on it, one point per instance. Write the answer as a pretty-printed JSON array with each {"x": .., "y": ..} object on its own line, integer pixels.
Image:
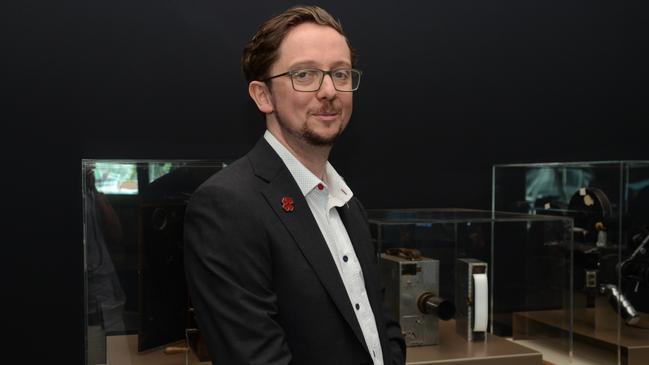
[{"x": 323, "y": 196}]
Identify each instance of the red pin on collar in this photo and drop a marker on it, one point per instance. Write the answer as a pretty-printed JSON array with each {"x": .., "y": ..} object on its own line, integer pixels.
[{"x": 287, "y": 204}]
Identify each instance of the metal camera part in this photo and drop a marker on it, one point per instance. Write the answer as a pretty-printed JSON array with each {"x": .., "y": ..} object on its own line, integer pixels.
[
  {"x": 412, "y": 296},
  {"x": 430, "y": 303},
  {"x": 472, "y": 299},
  {"x": 592, "y": 213},
  {"x": 621, "y": 305},
  {"x": 634, "y": 267}
]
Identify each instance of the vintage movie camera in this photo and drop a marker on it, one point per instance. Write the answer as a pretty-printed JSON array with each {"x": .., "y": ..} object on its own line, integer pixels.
[
  {"x": 599, "y": 245},
  {"x": 412, "y": 295}
]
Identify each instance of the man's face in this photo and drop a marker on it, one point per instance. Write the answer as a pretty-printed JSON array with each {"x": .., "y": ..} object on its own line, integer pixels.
[{"x": 316, "y": 117}]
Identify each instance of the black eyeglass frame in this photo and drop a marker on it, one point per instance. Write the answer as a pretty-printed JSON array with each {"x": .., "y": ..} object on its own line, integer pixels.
[{"x": 324, "y": 73}]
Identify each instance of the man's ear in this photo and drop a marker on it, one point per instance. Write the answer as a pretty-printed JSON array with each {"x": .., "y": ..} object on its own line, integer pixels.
[{"x": 260, "y": 93}]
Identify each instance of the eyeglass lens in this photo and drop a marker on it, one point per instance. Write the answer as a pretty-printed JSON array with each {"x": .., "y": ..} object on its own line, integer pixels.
[{"x": 311, "y": 79}]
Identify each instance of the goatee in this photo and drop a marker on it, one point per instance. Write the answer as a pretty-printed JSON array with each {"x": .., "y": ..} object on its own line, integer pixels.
[{"x": 316, "y": 140}]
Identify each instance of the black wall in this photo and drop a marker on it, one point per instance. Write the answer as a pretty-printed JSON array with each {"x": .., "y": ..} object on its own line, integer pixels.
[{"x": 449, "y": 88}]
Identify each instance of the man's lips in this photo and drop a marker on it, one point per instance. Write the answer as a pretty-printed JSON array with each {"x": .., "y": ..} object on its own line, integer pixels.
[
  {"x": 326, "y": 113},
  {"x": 328, "y": 116}
]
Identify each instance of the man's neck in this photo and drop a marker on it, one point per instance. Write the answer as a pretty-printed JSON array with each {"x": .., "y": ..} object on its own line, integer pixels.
[{"x": 314, "y": 158}]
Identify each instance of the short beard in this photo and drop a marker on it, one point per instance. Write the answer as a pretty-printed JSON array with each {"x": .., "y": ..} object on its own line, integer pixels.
[
  {"x": 308, "y": 136},
  {"x": 316, "y": 140}
]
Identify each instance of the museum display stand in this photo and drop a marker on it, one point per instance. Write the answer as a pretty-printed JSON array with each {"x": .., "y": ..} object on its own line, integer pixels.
[
  {"x": 137, "y": 310},
  {"x": 608, "y": 202},
  {"x": 528, "y": 265}
]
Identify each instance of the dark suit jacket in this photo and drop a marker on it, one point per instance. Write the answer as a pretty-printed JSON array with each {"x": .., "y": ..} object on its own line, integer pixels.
[{"x": 262, "y": 280}]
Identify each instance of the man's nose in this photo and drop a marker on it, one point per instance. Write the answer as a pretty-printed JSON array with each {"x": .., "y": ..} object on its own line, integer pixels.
[{"x": 327, "y": 89}]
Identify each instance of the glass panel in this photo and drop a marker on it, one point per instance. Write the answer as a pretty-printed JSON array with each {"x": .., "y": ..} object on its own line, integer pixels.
[
  {"x": 137, "y": 310},
  {"x": 527, "y": 262},
  {"x": 608, "y": 202}
]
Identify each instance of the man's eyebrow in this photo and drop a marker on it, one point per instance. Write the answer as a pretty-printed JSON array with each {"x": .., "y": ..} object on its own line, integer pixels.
[
  {"x": 313, "y": 64},
  {"x": 305, "y": 64},
  {"x": 341, "y": 64}
]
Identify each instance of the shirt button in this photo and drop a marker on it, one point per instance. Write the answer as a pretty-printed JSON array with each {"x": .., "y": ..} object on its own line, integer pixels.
[
  {"x": 320, "y": 186},
  {"x": 345, "y": 258},
  {"x": 358, "y": 306}
]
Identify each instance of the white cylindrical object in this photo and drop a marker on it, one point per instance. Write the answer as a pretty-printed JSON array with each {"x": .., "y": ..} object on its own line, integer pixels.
[{"x": 480, "y": 302}]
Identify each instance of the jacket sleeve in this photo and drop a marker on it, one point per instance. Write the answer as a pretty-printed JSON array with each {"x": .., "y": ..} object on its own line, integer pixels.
[
  {"x": 397, "y": 344},
  {"x": 228, "y": 269}
]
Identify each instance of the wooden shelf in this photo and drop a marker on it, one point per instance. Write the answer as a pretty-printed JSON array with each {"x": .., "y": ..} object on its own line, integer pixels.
[
  {"x": 453, "y": 349},
  {"x": 601, "y": 331},
  {"x": 122, "y": 350}
]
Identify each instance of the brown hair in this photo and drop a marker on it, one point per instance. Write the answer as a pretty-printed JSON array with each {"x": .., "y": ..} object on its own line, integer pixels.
[{"x": 261, "y": 51}]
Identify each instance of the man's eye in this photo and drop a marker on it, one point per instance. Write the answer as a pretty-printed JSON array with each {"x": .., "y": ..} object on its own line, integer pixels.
[
  {"x": 305, "y": 74},
  {"x": 341, "y": 74}
]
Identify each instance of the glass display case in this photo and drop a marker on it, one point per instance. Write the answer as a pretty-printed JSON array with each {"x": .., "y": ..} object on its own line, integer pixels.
[
  {"x": 609, "y": 204},
  {"x": 527, "y": 262},
  {"x": 137, "y": 310}
]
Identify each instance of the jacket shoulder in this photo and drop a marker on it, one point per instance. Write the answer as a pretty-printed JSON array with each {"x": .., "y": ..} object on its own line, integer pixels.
[{"x": 236, "y": 181}]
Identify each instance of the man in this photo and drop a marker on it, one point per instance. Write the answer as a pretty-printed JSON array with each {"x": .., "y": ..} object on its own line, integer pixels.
[{"x": 278, "y": 254}]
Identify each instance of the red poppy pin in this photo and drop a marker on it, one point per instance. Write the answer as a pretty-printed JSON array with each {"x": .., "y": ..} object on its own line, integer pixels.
[{"x": 287, "y": 204}]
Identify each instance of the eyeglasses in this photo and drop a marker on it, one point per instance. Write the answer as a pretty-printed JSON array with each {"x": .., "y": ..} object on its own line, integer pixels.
[{"x": 310, "y": 79}]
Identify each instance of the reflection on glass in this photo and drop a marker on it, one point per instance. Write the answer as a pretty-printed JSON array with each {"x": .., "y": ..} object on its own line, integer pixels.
[
  {"x": 105, "y": 297},
  {"x": 158, "y": 169},
  {"x": 115, "y": 178},
  {"x": 546, "y": 185}
]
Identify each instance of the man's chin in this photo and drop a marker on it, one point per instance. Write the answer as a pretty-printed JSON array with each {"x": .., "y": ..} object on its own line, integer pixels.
[{"x": 319, "y": 139}]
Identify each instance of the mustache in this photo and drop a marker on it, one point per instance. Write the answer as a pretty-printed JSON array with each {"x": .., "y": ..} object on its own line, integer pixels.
[{"x": 328, "y": 109}]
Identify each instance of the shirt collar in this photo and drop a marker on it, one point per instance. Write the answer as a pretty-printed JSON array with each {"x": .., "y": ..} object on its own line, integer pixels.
[
  {"x": 338, "y": 189},
  {"x": 306, "y": 180}
]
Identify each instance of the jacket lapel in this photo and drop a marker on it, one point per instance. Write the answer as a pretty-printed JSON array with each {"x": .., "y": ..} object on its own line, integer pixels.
[{"x": 302, "y": 226}]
